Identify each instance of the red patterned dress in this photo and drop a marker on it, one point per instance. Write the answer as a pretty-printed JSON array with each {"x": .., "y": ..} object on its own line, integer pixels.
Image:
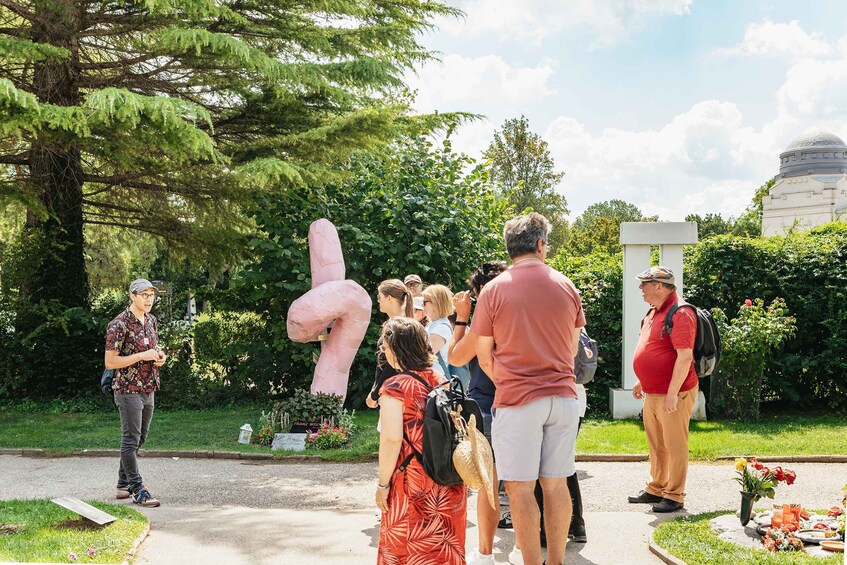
[{"x": 425, "y": 522}]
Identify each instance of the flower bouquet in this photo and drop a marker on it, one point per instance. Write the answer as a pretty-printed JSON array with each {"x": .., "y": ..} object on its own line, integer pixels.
[{"x": 758, "y": 481}]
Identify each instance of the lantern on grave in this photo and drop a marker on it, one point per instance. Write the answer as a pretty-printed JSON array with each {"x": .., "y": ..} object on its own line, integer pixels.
[{"x": 246, "y": 432}]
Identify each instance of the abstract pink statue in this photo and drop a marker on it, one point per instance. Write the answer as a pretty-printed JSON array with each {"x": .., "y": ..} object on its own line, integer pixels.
[{"x": 331, "y": 299}]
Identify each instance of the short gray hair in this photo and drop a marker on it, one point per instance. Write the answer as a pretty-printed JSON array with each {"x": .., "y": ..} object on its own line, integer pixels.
[{"x": 523, "y": 232}]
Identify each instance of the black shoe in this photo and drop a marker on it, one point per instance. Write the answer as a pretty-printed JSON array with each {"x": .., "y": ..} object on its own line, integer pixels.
[
  {"x": 646, "y": 497},
  {"x": 667, "y": 505},
  {"x": 577, "y": 534},
  {"x": 506, "y": 521}
]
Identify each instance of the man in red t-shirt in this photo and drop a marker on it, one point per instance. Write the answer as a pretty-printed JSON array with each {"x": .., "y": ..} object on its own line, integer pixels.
[
  {"x": 668, "y": 384},
  {"x": 527, "y": 324}
]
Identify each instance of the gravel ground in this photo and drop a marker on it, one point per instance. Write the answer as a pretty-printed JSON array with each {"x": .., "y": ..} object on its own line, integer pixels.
[{"x": 228, "y": 511}]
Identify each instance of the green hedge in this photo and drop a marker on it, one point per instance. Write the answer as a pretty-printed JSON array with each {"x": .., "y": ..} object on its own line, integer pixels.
[{"x": 807, "y": 269}]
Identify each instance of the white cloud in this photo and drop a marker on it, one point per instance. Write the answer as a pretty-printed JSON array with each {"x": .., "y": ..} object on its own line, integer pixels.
[
  {"x": 459, "y": 83},
  {"x": 608, "y": 21},
  {"x": 788, "y": 41},
  {"x": 703, "y": 160}
]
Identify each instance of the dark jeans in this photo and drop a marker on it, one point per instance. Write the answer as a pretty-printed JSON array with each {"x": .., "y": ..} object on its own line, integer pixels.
[{"x": 136, "y": 411}]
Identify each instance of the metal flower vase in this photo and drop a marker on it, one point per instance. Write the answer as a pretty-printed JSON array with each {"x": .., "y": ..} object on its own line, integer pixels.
[{"x": 747, "y": 500}]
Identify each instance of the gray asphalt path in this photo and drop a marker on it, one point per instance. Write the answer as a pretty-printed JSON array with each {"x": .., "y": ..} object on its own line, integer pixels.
[{"x": 234, "y": 512}]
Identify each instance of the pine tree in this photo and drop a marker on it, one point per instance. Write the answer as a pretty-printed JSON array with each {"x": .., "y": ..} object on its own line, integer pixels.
[
  {"x": 524, "y": 173},
  {"x": 163, "y": 115}
]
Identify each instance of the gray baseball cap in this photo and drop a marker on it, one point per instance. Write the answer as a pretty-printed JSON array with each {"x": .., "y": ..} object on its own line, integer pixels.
[{"x": 140, "y": 284}]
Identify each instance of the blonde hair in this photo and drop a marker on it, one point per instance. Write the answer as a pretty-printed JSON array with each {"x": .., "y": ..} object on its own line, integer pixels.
[
  {"x": 398, "y": 291},
  {"x": 441, "y": 298}
]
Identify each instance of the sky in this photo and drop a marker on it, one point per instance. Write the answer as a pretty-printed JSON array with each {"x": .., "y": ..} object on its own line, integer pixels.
[{"x": 677, "y": 106}]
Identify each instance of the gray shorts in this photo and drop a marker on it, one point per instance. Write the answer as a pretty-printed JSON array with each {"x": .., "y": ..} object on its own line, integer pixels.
[{"x": 536, "y": 440}]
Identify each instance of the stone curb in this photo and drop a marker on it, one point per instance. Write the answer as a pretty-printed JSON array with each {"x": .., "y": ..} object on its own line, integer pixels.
[
  {"x": 136, "y": 544},
  {"x": 790, "y": 458},
  {"x": 187, "y": 454},
  {"x": 663, "y": 554}
]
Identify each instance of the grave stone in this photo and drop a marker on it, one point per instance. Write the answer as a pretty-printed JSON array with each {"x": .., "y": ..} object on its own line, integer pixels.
[{"x": 290, "y": 442}]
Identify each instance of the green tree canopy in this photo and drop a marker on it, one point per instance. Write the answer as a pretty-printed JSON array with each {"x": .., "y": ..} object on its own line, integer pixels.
[
  {"x": 523, "y": 171},
  {"x": 158, "y": 115},
  {"x": 598, "y": 227}
]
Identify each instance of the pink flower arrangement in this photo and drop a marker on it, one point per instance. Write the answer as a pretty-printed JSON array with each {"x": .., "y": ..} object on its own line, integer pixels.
[{"x": 330, "y": 436}]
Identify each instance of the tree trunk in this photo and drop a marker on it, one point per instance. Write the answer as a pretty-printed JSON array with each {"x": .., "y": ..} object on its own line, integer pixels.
[{"x": 57, "y": 264}]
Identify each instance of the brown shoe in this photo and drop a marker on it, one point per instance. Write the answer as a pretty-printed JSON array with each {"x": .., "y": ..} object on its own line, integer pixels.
[{"x": 122, "y": 493}]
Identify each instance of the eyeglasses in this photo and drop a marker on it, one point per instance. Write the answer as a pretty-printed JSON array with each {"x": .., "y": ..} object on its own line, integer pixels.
[
  {"x": 146, "y": 295},
  {"x": 413, "y": 283}
]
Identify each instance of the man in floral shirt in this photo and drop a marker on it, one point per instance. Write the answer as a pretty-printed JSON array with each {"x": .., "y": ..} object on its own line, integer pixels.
[{"x": 132, "y": 350}]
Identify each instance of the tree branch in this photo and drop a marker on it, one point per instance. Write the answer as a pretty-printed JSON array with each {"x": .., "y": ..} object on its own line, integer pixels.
[
  {"x": 19, "y": 10},
  {"x": 19, "y": 159}
]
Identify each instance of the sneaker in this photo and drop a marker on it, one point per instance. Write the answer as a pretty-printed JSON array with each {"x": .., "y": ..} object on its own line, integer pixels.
[
  {"x": 477, "y": 558},
  {"x": 515, "y": 556},
  {"x": 506, "y": 521},
  {"x": 122, "y": 492},
  {"x": 144, "y": 498},
  {"x": 644, "y": 497}
]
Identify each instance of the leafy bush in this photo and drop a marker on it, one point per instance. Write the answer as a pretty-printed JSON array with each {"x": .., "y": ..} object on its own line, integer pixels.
[
  {"x": 303, "y": 406},
  {"x": 747, "y": 340},
  {"x": 599, "y": 278}
]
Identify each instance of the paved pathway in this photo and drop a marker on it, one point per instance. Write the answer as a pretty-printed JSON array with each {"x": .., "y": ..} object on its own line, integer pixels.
[{"x": 234, "y": 512}]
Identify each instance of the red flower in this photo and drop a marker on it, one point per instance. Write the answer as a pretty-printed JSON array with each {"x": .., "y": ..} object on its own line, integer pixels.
[
  {"x": 778, "y": 473},
  {"x": 756, "y": 465},
  {"x": 790, "y": 477},
  {"x": 748, "y": 303}
]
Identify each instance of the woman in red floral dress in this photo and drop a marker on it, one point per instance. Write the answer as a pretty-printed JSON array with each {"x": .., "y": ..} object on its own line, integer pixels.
[{"x": 423, "y": 523}]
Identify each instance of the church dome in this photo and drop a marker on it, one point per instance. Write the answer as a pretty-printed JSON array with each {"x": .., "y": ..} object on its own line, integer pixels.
[
  {"x": 816, "y": 139},
  {"x": 819, "y": 153}
]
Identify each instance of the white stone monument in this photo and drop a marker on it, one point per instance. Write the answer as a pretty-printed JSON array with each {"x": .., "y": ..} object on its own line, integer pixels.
[{"x": 637, "y": 239}]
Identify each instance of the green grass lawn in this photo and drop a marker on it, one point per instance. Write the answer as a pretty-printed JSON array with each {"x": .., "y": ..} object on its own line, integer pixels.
[
  {"x": 691, "y": 539},
  {"x": 40, "y": 531},
  {"x": 789, "y": 435},
  {"x": 217, "y": 430}
]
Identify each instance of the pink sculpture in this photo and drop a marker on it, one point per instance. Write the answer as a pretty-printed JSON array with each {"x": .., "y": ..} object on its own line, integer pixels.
[{"x": 331, "y": 299}]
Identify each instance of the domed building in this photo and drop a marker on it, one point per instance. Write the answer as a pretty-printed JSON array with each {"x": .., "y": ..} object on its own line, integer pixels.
[{"x": 811, "y": 187}]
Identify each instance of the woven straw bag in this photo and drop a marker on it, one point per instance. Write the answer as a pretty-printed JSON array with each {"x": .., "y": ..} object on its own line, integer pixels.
[{"x": 473, "y": 458}]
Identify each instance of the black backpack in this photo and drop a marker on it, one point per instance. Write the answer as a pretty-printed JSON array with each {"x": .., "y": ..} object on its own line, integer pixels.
[
  {"x": 585, "y": 361},
  {"x": 440, "y": 436},
  {"x": 707, "y": 343}
]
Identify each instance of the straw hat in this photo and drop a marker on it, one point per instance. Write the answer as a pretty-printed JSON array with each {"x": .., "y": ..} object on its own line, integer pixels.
[{"x": 474, "y": 460}]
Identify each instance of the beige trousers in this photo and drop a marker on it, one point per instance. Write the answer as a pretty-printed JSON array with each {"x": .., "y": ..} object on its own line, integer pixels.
[{"x": 667, "y": 435}]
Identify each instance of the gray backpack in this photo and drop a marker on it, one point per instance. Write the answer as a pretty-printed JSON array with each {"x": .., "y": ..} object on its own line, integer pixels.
[{"x": 585, "y": 362}]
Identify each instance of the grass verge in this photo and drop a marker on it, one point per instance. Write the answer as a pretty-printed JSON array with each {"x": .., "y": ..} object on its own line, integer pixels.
[
  {"x": 40, "y": 531},
  {"x": 691, "y": 539},
  {"x": 217, "y": 430}
]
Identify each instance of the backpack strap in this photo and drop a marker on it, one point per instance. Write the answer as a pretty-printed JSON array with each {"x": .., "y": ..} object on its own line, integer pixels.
[
  {"x": 415, "y": 453},
  {"x": 668, "y": 327}
]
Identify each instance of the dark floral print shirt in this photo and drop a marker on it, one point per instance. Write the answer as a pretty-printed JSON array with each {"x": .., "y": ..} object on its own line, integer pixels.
[{"x": 126, "y": 335}]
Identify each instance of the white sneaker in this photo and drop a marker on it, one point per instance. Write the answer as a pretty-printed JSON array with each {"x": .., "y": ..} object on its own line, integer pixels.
[
  {"x": 515, "y": 557},
  {"x": 477, "y": 558}
]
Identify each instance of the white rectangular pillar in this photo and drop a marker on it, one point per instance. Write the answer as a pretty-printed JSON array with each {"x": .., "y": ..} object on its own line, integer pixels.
[{"x": 637, "y": 239}]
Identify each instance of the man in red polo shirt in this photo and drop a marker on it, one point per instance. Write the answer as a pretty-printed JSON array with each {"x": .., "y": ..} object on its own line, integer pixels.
[
  {"x": 527, "y": 323},
  {"x": 668, "y": 384}
]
